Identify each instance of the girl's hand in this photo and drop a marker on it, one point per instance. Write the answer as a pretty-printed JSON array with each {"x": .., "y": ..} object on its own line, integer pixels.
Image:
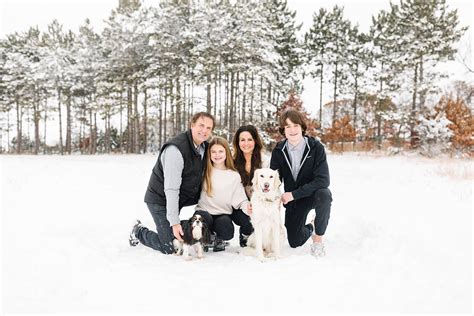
[{"x": 249, "y": 209}]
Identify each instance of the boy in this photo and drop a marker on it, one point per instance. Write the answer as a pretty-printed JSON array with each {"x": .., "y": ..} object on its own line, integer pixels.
[{"x": 301, "y": 162}]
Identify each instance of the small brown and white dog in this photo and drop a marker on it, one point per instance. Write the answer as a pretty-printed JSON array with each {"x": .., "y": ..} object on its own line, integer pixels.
[
  {"x": 196, "y": 235},
  {"x": 268, "y": 234}
]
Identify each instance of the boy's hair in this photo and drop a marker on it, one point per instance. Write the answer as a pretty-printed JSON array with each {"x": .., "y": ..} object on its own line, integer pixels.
[
  {"x": 229, "y": 162},
  {"x": 198, "y": 115},
  {"x": 294, "y": 116}
]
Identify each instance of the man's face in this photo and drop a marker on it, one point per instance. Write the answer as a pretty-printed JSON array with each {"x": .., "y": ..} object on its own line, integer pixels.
[
  {"x": 293, "y": 132},
  {"x": 201, "y": 130}
]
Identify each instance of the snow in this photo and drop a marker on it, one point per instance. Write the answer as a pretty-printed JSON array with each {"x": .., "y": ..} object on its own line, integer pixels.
[{"x": 399, "y": 240}]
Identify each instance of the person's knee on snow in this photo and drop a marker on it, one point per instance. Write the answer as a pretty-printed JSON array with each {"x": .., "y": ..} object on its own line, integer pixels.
[
  {"x": 294, "y": 238},
  {"x": 223, "y": 227},
  {"x": 322, "y": 197}
]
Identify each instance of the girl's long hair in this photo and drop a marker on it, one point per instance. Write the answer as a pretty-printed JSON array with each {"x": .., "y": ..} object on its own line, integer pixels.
[
  {"x": 229, "y": 163},
  {"x": 239, "y": 158}
]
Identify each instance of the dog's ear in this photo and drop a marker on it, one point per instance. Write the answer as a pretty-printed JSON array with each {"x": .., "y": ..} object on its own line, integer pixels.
[
  {"x": 255, "y": 179},
  {"x": 186, "y": 225},
  {"x": 206, "y": 234},
  {"x": 277, "y": 183}
]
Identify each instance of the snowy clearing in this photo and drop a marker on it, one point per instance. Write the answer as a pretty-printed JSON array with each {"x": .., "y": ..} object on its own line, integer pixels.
[{"x": 399, "y": 240}]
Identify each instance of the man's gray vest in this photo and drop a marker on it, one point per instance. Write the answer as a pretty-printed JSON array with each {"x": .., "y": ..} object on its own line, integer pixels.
[{"x": 190, "y": 189}]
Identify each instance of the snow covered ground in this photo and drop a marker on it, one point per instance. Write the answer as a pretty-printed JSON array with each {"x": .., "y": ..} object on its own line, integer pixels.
[{"x": 399, "y": 240}]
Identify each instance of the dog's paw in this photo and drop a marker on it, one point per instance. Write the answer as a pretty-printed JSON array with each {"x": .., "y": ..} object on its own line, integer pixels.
[{"x": 274, "y": 256}]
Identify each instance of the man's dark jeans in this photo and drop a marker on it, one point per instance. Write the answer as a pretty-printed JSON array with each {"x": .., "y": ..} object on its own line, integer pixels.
[{"x": 162, "y": 240}]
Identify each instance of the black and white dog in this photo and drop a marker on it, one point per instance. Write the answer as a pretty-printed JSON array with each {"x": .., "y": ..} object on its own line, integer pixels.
[{"x": 196, "y": 235}]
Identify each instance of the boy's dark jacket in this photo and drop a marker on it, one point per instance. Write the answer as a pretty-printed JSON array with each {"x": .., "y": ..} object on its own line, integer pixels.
[{"x": 314, "y": 172}]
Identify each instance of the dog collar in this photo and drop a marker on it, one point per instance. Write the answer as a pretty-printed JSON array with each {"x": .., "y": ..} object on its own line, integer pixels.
[{"x": 271, "y": 200}]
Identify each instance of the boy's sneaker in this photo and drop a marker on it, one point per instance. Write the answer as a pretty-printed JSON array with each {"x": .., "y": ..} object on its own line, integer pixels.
[
  {"x": 219, "y": 245},
  {"x": 311, "y": 224},
  {"x": 133, "y": 239},
  {"x": 317, "y": 249}
]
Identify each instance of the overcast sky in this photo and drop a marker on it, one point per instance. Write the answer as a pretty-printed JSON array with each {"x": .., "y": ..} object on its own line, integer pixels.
[{"x": 19, "y": 15}]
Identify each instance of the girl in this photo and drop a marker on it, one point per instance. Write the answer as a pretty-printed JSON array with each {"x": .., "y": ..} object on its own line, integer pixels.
[{"x": 223, "y": 200}]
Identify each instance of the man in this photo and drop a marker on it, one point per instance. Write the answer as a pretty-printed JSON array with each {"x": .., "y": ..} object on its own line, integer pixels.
[
  {"x": 301, "y": 162},
  {"x": 175, "y": 182}
]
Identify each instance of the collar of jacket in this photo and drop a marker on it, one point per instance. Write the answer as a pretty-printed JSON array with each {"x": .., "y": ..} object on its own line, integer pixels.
[
  {"x": 191, "y": 142},
  {"x": 283, "y": 146}
]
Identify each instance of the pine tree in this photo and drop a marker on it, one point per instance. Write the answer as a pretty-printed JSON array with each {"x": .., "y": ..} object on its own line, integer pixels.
[
  {"x": 426, "y": 32},
  {"x": 283, "y": 25},
  {"x": 327, "y": 44}
]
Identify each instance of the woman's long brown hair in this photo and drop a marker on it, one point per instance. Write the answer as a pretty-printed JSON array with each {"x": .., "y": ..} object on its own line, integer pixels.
[{"x": 239, "y": 158}]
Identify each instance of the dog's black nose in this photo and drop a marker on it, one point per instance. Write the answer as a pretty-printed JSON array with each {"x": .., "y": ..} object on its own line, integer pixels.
[{"x": 266, "y": 185}]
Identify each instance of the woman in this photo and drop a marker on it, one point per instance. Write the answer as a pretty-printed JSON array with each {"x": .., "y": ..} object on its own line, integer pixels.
[
  {"x": 247, "y": 154},
  {"x": 223, "y": 196}
]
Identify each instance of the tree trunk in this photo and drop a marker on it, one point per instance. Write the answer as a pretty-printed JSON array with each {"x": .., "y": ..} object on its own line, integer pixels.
[
  {"x": 8, "y": 131},
  {"x": 269, "y": 92},
  {"x": 244, "y": 105},
  {"x": 130, "y": 144},
  {"x": 381, "y": 80},
  {"x": 19, "y": 119},
  {"x": 179, "y": 113},
  {"x": 252, "y": 93},
  {"x": 232, "y": 104},
  {"x": 208, "y": 93},
  {"x": 36, "y": 119},
  {"x": 185, "y": 104},
  {"x": 94, "y": 139},
  {"x": 261, "y": 99},
  {"x": 335, "y": 95},
  {"x": 215, "y": 95},
  {"x": 354, "y": 104},
  {"x": 45, "y": 121},
  {"x": 226, "y": 105},
  {"x": 423, "y": 90},
  {"x": 220, "y": 95},
  {"x": 121, "y": 119},
  {"x": 60, "y": 123},
  {"x": 91, "y": 133},
  {"x": 413, "y": 141},
  {"x": 160, "y": 120},
  {"x": 379, "y": 131},
  {"x": 321, "y": 97},
  {"x": 68, "y": 123},
  {"x": 107, "y": 135},
  {"x": 236, "y": 102},
  {"x": 136, "y": 120},
  {"x": 191, "y": 99},
  {"x": 172, "y": 107},
  {"x": 145, "y": 120},
  {"x": 165, "y": 125}
]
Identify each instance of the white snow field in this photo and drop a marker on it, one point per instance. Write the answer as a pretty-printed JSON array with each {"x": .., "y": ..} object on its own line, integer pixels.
[{"x": 399, "y": 240}]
